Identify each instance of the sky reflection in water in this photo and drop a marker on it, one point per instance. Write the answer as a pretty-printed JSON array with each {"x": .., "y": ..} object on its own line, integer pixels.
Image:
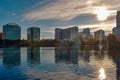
[{"x": 58, "y": 64}]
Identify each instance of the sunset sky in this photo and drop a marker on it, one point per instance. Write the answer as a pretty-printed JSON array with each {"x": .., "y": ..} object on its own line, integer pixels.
[{"x": 51, "y": 14}]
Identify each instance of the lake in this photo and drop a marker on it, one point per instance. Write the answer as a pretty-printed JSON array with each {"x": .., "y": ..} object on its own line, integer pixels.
[{"x": 49, "y": 63}]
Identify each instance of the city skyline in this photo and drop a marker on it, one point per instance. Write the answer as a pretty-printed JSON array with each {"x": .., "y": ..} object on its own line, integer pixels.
[
  {"x": 44, "y": 14},
  {"x": 12, "y": 31}
]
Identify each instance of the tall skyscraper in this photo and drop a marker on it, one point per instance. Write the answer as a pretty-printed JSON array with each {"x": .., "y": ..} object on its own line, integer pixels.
[
  {"x": 33, "y": 34},
  {"x": 58, "y": 32},
  {"x": 118, "y": 19},
  {"x": 116, "y": 30},
  {"x": 11, "y": 31},
  {"x": 66, "y": 34}
]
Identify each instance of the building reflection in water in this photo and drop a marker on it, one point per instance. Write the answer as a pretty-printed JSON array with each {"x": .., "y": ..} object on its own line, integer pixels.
[
  {"x": 115, "y": 54},
  {"x": 76, "y": 56},
  {"x": 86, "y": 56},
  {"x": 66, "y": 55},
  {"x": 33, "y": 55},
  {"x": 47, "y": 55},
  {"x": 117, "y": 61},
  {"x": 102, "y": 75},
  {"x": 11, "y": 56}
]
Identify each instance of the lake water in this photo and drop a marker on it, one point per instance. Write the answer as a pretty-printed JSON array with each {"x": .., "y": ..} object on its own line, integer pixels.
[{"x": 51, "y": 63}]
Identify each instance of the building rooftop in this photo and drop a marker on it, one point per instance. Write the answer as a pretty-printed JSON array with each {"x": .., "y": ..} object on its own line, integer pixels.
[
  {"x": 34, "y": 27},
  {"x": 100, "y": 30},
  {"x": 11, "y": 24}
]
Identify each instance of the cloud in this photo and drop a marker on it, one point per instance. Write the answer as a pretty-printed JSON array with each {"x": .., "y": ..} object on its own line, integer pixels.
[
  {"x": 60, "y": 9},
  {"x": 66, "y": 13},
  {"x": 65, "y": 9}
]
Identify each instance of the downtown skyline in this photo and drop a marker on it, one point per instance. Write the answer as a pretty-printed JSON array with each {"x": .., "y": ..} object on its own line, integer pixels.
[{"x": 51, "y": 14}]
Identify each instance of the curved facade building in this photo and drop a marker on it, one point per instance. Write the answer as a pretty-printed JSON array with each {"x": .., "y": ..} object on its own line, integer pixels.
[{"x": 33, "y": 34}]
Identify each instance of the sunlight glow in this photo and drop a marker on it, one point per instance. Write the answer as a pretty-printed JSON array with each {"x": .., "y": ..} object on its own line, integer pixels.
[
  {"x": 102, "y": 75},
  {"x": 102, "y": 13}
]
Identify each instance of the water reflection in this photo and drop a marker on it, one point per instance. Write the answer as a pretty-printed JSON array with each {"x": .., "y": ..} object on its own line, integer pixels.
[
  {"x": 102, "y": 75},
  {"x": 33, "y": 55},
  {"x": 66, "y": 55},
  {"x": 47, "y": 55},
  {"x": 117, "y": 61},
  {"x": 115, "y": 54},
  {"x": 11, "y": 56},
  {"x": 81, "y": 64}
]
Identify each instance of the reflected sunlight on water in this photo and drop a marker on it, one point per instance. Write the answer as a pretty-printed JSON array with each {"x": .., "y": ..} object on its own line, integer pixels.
[
  {"x": 102, "y": 75},
  {"x": 38, "y": 63}
]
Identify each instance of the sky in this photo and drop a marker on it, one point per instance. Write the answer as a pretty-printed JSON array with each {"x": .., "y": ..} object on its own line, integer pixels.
[{"x": 51, "y": 14}]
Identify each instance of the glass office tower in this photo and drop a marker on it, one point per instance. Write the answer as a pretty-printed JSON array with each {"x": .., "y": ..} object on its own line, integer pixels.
[
  {"x": 33, "y": 34},
  {"x": 11, "y": 31}
]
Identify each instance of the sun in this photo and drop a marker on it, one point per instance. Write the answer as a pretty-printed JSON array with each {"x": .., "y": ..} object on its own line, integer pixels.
[{"x": 101, "y": 12}]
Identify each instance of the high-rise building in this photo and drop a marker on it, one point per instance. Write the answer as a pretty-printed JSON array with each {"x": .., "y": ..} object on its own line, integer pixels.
[
  {"x": 66, "y": 34},
  {"x": 86, "y": 31},
  {"x": 58, "y": 32},
  {"x": 1, "y": 36},
  {"x": 118, "y": 19},
  {"x": 116, "y": 30},
  {"x": 85, "y": 35},
  {"x": 33, "y": 34},
  {"x": 99, "y": 34},
  {"x": 11, "y": 31}
]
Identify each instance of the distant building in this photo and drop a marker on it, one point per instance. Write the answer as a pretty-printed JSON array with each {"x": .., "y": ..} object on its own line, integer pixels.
[
  {"x": 33, "y": 34},
  {"x": 58, "y": 34},
  {"x": 1, "y": 36},
  {"x": 66, "y": 34},
  {"x": 11, "y": 31},
  {"x": 85, "y": 35},
  {"x": 86, "y": 31},
  {"x": 116, "y": 30},
  {"x": 99, "y": 34},
  {"x": 118, "y": 19}
]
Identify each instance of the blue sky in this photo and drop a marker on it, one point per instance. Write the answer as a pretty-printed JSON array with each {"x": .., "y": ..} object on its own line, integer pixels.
[{"x": 49, "y": 14}]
